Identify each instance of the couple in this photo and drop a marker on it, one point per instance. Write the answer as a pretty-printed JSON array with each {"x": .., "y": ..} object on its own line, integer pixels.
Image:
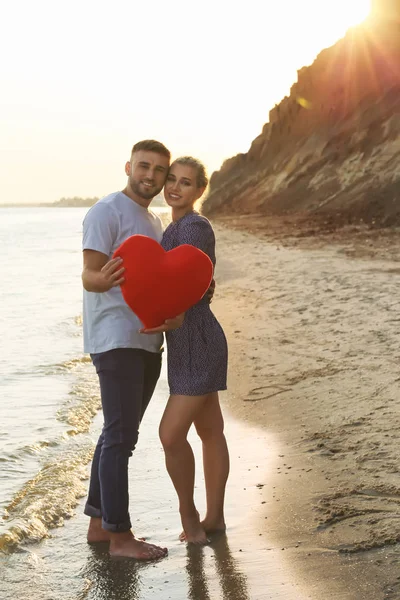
[{"x": 128, "y": 359}]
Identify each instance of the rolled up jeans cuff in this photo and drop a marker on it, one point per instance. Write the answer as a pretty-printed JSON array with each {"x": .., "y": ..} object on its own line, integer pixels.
[
  {"x": 117, "y": 528},
  {"x": 91, "y": 511}
]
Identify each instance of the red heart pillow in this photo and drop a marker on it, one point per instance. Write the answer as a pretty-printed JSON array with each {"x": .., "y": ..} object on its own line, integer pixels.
[{"x": 160, "y": 285}]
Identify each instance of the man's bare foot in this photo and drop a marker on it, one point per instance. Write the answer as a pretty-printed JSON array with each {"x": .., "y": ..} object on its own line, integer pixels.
[
  {"x": 209, "y": 526},
  {"x": 125, "y": 544},
  {"x": 96, "y": 533},
  {"x": 193, "y": 532}
]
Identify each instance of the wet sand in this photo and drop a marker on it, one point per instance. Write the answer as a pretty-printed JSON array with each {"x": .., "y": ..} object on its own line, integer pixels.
[
  {"x": 314, "y": 354},
  {"x": 243, "y": 565}
]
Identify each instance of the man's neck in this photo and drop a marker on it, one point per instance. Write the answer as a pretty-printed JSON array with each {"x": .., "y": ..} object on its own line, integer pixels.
[{"x": 135, "y": 198}]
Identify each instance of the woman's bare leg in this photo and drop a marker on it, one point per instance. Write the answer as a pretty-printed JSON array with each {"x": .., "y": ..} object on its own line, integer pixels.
[
  {"x": 177, "y": 419},
  {"x": 209, "y": 424}
]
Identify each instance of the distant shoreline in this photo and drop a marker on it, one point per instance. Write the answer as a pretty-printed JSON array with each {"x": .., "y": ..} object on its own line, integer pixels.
[
  {"x": 44, "y": 205},
  {"x": 66, "y": 204}
]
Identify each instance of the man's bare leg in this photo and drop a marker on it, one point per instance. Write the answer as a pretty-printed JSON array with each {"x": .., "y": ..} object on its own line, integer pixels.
[{"x": 96, "y": 533}]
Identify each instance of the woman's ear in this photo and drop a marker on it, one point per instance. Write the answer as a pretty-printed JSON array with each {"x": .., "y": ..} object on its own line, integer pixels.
[{"x": 200, "y": 192}]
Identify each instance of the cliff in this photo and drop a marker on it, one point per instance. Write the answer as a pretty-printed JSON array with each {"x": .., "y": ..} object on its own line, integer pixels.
[{"x": 332, "y": 147}]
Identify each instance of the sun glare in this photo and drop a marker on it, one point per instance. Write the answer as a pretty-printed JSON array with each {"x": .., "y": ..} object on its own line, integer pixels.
[
  {"x": 58, "y": 99},
  {"x": 335, "y": 18},
  {"x": 356, "y": 11}
]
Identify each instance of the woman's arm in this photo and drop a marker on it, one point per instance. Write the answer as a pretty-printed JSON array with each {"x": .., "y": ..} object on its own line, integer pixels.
[{"x": 199, "y": 233}]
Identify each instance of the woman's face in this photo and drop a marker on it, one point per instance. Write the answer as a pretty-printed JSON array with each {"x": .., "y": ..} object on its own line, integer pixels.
[{"x": 181, "y": 189}]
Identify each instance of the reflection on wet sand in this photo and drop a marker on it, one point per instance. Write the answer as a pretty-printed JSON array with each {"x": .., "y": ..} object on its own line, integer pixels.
[
  {"x": 110, "y": 578},
  {"x": 197, "y": 579},
  {"x": 233, "y": 582},
  {"x": 107, "y": 578}
]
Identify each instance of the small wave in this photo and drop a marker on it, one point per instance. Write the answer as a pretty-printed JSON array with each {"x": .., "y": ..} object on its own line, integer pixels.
[
  {"x": 82, "y": 405},
  {"x": 83, "y": 399},
  {"x": 36, "y": 448},
  {"x": 67, "y": 366},
  {"x": 46, "y": 500},
  {"x": 87, "y": 587},
  {"x": 73, "y": 363},
  {"x": 39, "y": 446},
  {"x": 51, "y": 496},
  {"x": 72, "y": 326},
  {"x": 77, "y": 411},
  {"x": 30, "y": 449}
]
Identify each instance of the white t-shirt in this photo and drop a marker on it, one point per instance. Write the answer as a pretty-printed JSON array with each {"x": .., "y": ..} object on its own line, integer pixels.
[{"x": 108, "y": 322}]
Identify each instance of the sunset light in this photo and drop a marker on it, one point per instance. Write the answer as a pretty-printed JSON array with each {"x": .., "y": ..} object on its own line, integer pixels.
[
  {"x": 356, "y": 12},
  {"x": 200, "y": 227},
  {"x": 82, "y": 83}
]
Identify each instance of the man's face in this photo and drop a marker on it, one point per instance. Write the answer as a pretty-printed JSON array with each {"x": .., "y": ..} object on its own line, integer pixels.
[{"x": 147, "y": 172}]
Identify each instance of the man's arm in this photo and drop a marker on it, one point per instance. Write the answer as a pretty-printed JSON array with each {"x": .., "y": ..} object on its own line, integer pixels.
[
  {"x": 210, "y": 291},
  {"x": 99, "y": 273}
]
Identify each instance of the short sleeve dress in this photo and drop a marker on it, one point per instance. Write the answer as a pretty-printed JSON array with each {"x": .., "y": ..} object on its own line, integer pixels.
[{"x": 197, "y": 352}]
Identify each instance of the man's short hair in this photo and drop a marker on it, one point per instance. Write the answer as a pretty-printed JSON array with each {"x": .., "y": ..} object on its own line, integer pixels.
[{"x": 152, "y": 146}]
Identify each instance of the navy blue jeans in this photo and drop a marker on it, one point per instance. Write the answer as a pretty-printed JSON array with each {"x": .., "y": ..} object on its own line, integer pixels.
[{"x": 127, "y": 380}]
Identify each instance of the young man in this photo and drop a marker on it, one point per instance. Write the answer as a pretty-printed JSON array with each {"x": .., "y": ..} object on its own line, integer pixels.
[{"x": 127, "y": 362}]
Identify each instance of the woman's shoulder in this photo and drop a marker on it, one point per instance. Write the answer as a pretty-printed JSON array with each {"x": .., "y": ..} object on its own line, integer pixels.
[
  {"x": 196, "y": 230},
  {"x": 197, "y": 227},
  {"x": 197, "y": 220}
]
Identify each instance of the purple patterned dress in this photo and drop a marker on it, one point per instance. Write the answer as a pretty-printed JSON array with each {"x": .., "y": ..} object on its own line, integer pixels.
[{"x": 197, "y": 351}]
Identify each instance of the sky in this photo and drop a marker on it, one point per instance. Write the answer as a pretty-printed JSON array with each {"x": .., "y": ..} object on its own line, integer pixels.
[{"x": 82, "y": 81}]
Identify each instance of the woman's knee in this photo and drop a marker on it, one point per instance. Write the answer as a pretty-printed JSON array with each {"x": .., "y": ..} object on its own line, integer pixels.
[
  {"x": 171, "y": 439},
  {"x": 207, "y": 432}
]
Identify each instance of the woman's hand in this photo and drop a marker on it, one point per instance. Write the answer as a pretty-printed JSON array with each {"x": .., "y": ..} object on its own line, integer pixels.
[{"x": 169, "y": 325}]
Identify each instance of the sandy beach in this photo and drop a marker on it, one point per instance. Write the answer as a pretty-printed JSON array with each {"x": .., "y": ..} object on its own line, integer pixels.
[
  {"x": 312, "y": 320},
  {"x": 312, "y": 423}
]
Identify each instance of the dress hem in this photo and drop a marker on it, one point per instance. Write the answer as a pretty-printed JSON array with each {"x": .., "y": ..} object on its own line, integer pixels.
[{"x": 202, "y": 393}]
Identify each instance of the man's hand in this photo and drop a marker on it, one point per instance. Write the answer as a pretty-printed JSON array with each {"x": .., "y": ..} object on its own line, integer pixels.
[
  {"x": 169, "y": 325},
  {"x": 210, "y": 291},
  {"x": 112, "y": 273},
  {"x": 99, "y": 273}
]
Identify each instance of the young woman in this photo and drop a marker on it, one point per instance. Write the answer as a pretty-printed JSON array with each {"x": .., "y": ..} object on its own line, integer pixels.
[{"x": 197, "y": 367}]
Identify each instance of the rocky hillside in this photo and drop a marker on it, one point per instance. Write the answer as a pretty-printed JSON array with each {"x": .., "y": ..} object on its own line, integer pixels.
[{"x": 333, "y": 146}]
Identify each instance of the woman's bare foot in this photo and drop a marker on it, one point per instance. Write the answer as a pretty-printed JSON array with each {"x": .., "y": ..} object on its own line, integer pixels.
[
  {"x": 193, "y": 532},
  {"x": 96, "y": 533},
  {"x": 209, "y": 526},
  {"x": 214, "y": 525},
  {"x": 125, "y": 544}
]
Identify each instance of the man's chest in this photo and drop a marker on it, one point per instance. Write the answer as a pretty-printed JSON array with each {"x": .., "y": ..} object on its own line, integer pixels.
[{"x": 143, "y": 227}]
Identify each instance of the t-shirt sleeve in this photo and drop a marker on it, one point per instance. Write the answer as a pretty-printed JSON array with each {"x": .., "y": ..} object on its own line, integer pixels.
[
  {"x": 198, "y": 234},
  {"x": 99, "y": 229}
]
